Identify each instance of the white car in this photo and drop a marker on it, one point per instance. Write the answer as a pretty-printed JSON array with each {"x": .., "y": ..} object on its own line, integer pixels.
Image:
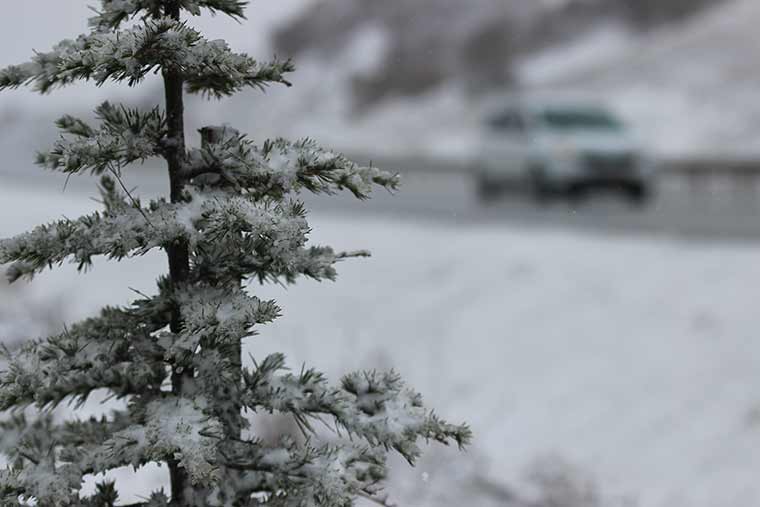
[{"x": 568, "y": 149}]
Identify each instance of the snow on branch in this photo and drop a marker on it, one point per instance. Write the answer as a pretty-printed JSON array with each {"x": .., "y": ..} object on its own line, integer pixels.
[
  {"x": 173, "y": 427},
  {"x": 316, "y": 262},
  {"x": 374, "y": 406},
  {"x": 123, "y": 137},
  {"x": 212, "y": 69},
  {"x": 44, "y": 69},
  {"x": 170, "y": 427},
  {"x": 113, "y": 13},
  {"x": 216, "y": 316},
  {"x": 280, "y": 167},
  {"x": 114, "y": 350},
  {"x": 232, "y": 8},
  {"x": 297, "y": 475},
  {"x": 48, "y": 461},
  {"x": 129, "y": 55},
  {"x": 209, "y": 221},
  {"x": 128, "y": 232},
  {"x": 106, "y": 495},
  {"x": 265, "y": 241},
  {"x": 100, "y": 56}
]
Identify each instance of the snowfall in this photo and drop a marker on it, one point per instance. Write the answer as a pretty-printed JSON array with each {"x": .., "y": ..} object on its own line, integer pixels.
[
  {"x": 610, "y": 369},
  {"x": 603, "y": 369}
]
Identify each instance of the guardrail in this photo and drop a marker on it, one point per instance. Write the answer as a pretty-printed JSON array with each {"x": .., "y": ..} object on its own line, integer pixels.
[
  {"x": 702, "y": 168},
  {"x": 735, "y": 177},
  {"x": 700, "y": 180},
  {"x": 697, "y": 167}
]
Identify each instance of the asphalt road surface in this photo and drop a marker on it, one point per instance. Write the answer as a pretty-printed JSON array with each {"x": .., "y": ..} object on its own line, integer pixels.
[
  {"x": 723, "y": 210},
  {"x": 719, "y": 211}
]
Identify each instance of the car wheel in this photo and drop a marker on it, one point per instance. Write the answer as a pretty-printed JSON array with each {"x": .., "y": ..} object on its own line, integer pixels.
[
  {"x": 578, "y": 192},
  {"x": 638, "y": 193},
  {"x": 538, "y": 186},
  {"x": 487, "y": 189}
]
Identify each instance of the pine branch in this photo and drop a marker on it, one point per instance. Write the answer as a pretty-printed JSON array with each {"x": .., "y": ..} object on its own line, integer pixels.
[
  {"x": 55, "y": 457},
  {"x": 376, "y": 407},
  {"x": 123, "y": 137},
  {"x": 114, "y": 350},
  {"x": 280, "y": 167},
  {"x": 115, "y": 235},
  {"x": 223, "y": 73},
  {"x": 216, "y": 316},
  {"x": 208, "y": 67},
  {"x": 232, "y": 237},
  {"x": 173, "y": 425},
  {"x": 113, "y": 13},
  {"x": 135, "y": 203},
  {"x": 328, "y": 476}
]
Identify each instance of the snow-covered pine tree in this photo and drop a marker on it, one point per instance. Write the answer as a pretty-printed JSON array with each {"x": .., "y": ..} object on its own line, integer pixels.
[{"x": 174, "y": 357}]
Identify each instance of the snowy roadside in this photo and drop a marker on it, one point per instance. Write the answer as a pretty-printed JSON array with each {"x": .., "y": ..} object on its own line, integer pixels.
[{"x": 635, "y": 359}]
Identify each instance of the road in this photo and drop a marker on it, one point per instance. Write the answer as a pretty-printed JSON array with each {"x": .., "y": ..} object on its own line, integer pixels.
[{"x": 717, "y": 212}]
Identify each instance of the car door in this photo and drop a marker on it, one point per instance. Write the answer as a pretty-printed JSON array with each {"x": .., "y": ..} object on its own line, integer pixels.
[{"x": 505, "y": 147}]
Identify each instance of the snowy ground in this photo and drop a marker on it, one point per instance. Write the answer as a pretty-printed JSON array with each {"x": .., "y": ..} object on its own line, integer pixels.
[{"x": 633, "y": 359}]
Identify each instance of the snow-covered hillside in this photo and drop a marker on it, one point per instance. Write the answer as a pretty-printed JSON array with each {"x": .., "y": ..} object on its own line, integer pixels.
[
  {"x": 633, "y": 359},
  {"x": 688, "y": 87}
]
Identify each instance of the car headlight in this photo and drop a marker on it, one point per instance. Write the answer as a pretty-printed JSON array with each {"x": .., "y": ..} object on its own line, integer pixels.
[
  {"x": 565, "y": 158},
  {"x": 565, "y": 152}
]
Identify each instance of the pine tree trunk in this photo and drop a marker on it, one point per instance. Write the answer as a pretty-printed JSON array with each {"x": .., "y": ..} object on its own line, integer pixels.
[{"x": 179, "y": 255}]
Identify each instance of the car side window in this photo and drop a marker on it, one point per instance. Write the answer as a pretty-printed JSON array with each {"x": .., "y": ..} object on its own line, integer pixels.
[{"x": 509, "y": 121}]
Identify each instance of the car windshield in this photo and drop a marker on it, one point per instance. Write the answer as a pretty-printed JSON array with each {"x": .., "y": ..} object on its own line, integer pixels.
[{"x": 579, "y": 119}]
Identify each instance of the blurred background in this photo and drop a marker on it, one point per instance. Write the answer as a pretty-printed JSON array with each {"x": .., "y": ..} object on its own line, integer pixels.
[{"x": 571, "y": 264}]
